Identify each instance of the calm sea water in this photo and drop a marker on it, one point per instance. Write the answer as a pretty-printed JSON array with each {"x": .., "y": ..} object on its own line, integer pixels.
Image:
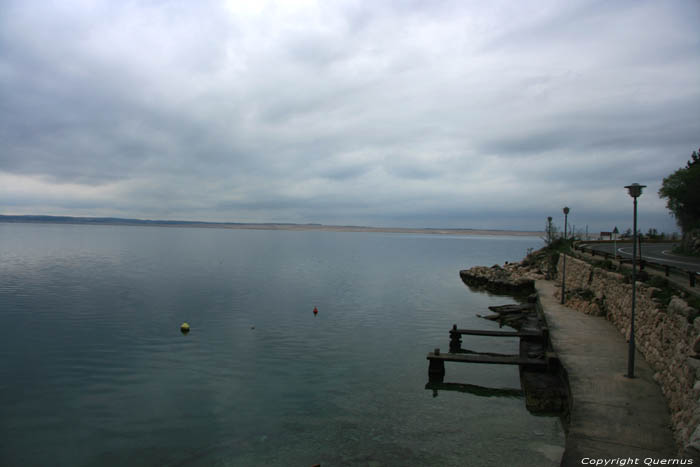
[{"x": 94, "y": 369}]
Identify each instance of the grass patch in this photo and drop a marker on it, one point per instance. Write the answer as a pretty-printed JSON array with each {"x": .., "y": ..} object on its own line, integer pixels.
[
  {"x": 642, "y": 276},
  {"x": 607, "y": 264},
  {"x": 659, "y": 282}
]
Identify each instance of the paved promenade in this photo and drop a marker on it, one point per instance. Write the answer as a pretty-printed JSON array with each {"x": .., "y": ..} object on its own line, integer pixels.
[{"x": 612, "y": 416}]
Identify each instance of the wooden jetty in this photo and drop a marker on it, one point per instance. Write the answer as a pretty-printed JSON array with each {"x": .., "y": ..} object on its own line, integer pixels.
[
  {"x": 533, "y": 342},
  {"x": 540, "y": 372},
  {"x": 437, "y": 360}
]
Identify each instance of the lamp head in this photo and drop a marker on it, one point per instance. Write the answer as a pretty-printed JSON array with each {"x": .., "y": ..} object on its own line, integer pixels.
[
  {"x": 635, "y": 190},
  {"x": 566, "y": 210}
]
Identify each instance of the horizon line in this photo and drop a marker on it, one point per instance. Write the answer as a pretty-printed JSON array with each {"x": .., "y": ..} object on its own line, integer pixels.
[{"x": 38, "y": 218}]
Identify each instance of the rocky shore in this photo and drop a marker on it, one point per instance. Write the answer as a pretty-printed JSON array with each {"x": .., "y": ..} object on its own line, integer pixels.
[
  {"x": 668, "y": 335},
  {"x": 509, "y": 279}
]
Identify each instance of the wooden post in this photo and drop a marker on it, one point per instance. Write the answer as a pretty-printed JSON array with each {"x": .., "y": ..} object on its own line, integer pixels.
[
  {"x": 455, "y": 340},
  {"x": 691, "y": 276},
  {"x": 667, "y": 270},
  {"x": 436, "y": 369}
]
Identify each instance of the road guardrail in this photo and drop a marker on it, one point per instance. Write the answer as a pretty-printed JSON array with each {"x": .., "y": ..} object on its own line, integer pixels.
[{"x": 692, "y": 275}]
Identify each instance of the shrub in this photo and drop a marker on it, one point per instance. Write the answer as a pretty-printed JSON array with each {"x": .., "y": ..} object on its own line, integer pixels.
[
  {"x": 606, "y": 264},
  {"x": 693, "y": 301},
  {"x": 584, "y": 294},
  {"x": 553, "y": 261},
  {"x": 663, "y": 295},
  {"x": 658, "y": 282}
]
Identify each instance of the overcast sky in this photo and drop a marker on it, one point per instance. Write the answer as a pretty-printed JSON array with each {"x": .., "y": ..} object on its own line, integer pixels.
[{"x": 466, "y": 114}]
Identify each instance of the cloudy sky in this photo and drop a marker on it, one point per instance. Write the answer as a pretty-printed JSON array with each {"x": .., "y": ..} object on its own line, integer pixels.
[{"x": 466, "y": 114}]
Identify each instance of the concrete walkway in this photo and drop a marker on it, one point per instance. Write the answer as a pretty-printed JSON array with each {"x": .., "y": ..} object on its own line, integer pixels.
[{"x": 612, "y": 416}]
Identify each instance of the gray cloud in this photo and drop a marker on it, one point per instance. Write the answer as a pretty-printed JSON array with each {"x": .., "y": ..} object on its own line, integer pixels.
[{"x": 412, "y": 113}]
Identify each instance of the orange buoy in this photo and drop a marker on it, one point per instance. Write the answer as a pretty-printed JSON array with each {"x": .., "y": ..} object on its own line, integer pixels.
[{"x": 315, "y": 310}]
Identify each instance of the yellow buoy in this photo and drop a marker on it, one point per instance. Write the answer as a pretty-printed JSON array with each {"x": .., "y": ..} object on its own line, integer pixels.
[{"x": 185, "y": 328}]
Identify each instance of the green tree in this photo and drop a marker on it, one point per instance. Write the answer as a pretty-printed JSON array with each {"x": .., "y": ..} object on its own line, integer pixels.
[
  {"x": 682, "y": 191},
  {"x": 550, "y": 231}
]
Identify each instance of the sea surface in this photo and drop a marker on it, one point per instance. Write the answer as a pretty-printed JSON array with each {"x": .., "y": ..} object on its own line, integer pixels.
[{"x": 94, "y": 370}]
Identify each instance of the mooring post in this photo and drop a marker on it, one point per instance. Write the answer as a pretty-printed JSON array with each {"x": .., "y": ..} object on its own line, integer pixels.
[
  {"x": 667, "y": 270},
  {"x": 691, "y": 276},
  {"x": 436, "y": 368},
  {"x": 455, "y": 340}
]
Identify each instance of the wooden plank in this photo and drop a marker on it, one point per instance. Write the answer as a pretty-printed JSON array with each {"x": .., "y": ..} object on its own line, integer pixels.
[
  {"x": 493, "y": 317},
  {"x": 485, "y": 332},
  {"x": 491, "y": 359},
  {"x": 507, "y": 309}
]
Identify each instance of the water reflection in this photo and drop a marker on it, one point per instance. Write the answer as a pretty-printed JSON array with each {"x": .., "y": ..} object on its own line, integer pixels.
[{"x": 474, "y": 389}]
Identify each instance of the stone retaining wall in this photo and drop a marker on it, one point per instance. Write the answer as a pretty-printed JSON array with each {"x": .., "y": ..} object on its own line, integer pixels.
[{"x": 667, "y": 336}]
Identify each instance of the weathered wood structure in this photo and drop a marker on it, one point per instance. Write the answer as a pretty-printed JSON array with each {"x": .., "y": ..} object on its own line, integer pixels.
[{"x": 539, "y": 366}]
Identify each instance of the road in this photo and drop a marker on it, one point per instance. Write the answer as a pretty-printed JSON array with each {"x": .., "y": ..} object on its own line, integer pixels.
[{"x": 656, "y": 252}]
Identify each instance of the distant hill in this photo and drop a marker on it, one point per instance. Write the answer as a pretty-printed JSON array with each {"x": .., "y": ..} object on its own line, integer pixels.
[
  {"x": 92, "y": 220},
  {"x": 252, "y": 226}
]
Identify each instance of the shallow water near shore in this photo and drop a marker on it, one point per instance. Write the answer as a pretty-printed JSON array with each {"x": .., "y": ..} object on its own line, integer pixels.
[{"x": 95, "y": 370}]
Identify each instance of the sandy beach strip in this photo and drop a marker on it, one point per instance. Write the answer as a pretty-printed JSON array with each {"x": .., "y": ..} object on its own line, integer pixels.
[{"x": 401, "y": 230}]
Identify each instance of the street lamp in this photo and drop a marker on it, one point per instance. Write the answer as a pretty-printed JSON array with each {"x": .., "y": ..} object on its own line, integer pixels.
[
  {"x": 563, "y": 274},
  {"x": 635, "y": 191}
]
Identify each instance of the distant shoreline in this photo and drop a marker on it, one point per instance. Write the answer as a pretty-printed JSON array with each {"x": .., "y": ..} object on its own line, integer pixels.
[{"x": 258, "y": 226}]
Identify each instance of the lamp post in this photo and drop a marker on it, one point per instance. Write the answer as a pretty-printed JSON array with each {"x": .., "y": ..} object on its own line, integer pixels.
[
  {"x": 615, "y": 232},
  {"x": 563, "y": 273},
  {"x": 635, "y": 191}
]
